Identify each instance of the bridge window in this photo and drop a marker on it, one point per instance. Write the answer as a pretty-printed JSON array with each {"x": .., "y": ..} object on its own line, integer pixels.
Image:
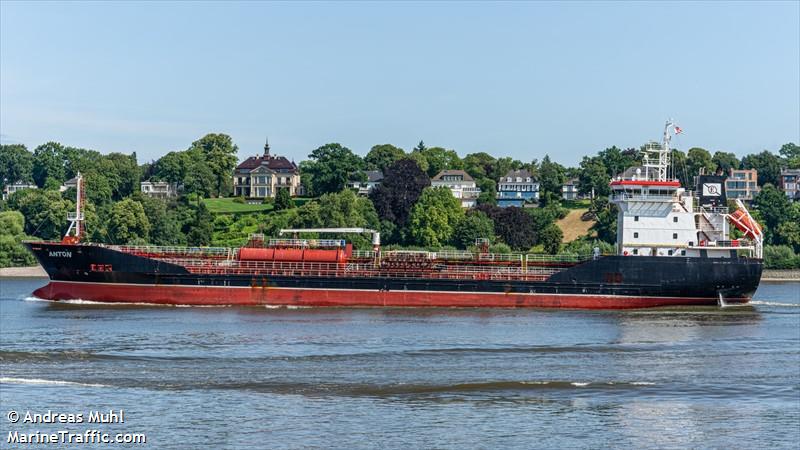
[
  {"x": 636, "y": 251},
  {"x": 674, "y": 235},
  {"x": 635, "y": 218},
  {"x": 675, "y": 219},
  {"x": 636, "y": 235}
]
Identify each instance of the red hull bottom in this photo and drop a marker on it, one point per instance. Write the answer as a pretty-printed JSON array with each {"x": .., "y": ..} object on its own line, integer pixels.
[{"x": 219, "y": 296}]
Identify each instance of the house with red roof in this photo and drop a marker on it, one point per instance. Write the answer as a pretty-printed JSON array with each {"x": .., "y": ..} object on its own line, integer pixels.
[{"x": 262, "y": 176}]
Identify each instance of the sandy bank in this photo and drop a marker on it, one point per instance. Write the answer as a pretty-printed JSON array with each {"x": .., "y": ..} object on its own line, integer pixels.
[{"x": 23, "y": 272}]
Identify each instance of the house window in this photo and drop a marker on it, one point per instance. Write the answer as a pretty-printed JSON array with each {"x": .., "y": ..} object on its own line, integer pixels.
[
  {"x": 635, "y": 218},
  {"x": 636, "y": 235},
  {"x": 675, "y": 219},
  {"x": 674, "y": 235}
]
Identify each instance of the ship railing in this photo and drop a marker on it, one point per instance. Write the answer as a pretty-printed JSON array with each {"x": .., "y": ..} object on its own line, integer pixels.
[
  {"x": 360, "y": 269},
  {"x": 160, "y": 252},
  {"x": 642, "y": 197},
  {"x": 363, "y": 254},
  {"x": 557, "y": 258},
  {"x": 306, "y": 243},
  {"x": 711, "y": 209}
]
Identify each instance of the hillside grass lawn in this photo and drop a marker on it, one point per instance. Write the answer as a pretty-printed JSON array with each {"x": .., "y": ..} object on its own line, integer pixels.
[
  {"x": 573, "y": 226},
  {"x": 229, "y": 206}
]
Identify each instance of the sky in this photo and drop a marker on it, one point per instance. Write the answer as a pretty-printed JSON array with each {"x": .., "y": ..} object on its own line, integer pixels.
[{"x": 513, "y": 79}]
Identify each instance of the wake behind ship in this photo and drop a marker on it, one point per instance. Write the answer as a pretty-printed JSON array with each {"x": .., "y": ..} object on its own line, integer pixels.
[{"x": 673, "y": 249}]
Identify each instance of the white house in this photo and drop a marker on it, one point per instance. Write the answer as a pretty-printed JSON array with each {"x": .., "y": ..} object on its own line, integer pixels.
[{"x": 460, "y": 184}]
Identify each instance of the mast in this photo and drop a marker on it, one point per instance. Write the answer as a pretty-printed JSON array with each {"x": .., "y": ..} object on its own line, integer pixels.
[
  {"x": 656, "y": 158},
  {"x": 76, "y": 228}
]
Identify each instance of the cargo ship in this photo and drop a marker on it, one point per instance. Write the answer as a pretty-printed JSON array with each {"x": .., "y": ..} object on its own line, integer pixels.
[{"x": 673, "y": 249}]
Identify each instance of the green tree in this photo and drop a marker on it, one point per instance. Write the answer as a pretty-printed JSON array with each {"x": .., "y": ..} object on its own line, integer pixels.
[
  {"x": 433, "y": 219},
  {"x": 199, "y": 178},
  {"x": 219, "y": 153},
  {"x": 768, "y": 166},
  {"x": 774, "y": 208},
  {"x": 48, "y": 162},
  {"x": 165, "y": 221},
  {"x": 45, "y": 212},
  {"x": 605, "y": 214},
  {"x": 382, "y": 156},
  {"x": 283, "y": 200},
  {"x": 791, "y": 152},
  {"x": 474, "y": 225},
  {"x": 128, "y": 222},
  {"x": 550, "y": 238},
  {"x": 171, "y": 167},
  {"x": 16, "y": 163},
  {"x": 200, "y": 230},
  {"x": 12, "y": 252},
  {"x": 330, "y": 168},
  {"x": 126, "y": 173},
  {"x": 616, "y": 161},
  {"x": 439, "y": 159},
  {"x": 697, "y": 160},
  {"x": 725, "y": 161},
  {"x": 479, "y": 165},
  {"x": 593, "y": 177},
  {"x": 551, "y": 178}
]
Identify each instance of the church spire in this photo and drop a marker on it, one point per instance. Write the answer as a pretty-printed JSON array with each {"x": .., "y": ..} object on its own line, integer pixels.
[{"x": 266, "y": 147}]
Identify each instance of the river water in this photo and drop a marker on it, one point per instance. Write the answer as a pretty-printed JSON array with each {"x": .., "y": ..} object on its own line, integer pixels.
[{"x": 443, "y": 378}]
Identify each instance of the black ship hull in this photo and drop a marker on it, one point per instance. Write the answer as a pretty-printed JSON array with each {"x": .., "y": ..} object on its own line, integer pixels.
[{"x": 97, "y": 273}]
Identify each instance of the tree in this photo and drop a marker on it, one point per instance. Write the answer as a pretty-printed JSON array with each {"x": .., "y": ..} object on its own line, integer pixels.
[
  {"x": 399, "y": 190},
  {"x": 201, "y": 229},
  {"x": 283, "y": 200},
  {"x": 127, "y": 174},
  {"x": 680, "y": 170},
  {"x": 12, "y": 252},
  {"x": 605, "y": 214},
  {"x": 45, "y": 212},
  {"x": 48, "y": 162},
  {"x": 791, "y": 152},
  {"x": 420, "y": 147},
  {"x": 330, "y": 168},
  {"x": 16, "y": 164},
  {"x": 512, "y": 225},
  {"x": 165, "y": 221},
  {"x": 773, "y": 208},
  {"x": 768, "y": 166},
  {"x": 433, "y": 219},
  {"x": 551, "y": 178},
  {"x": 439, "y": 159},
  {"x": 488, "y": 195},
  {"x": 199, "y": 178},
  {"x": 593, "y": 177},
  {"x": 171, "y": 167},
  {"x": 474, "y": 225},
  {"x": 699, "y": 160},
  {"x": 342, "y": 209},
  {"x": 128, "y": 222},
  {"x": 550, "y": 238},
  {"x": 219, "y": 153},
  {"x": 479, "y": 165},
  {"x": 382, "y": 156},
  {"x": 725, "y": 161},
  {"x": 616, "y": 161}
]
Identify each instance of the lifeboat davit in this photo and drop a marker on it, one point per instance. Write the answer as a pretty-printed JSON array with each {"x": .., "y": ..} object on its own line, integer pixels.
[{"x": 745, "y": 224}]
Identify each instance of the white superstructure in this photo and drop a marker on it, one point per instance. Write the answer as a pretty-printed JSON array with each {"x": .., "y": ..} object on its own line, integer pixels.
[{"x": 658, "y": 217}]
